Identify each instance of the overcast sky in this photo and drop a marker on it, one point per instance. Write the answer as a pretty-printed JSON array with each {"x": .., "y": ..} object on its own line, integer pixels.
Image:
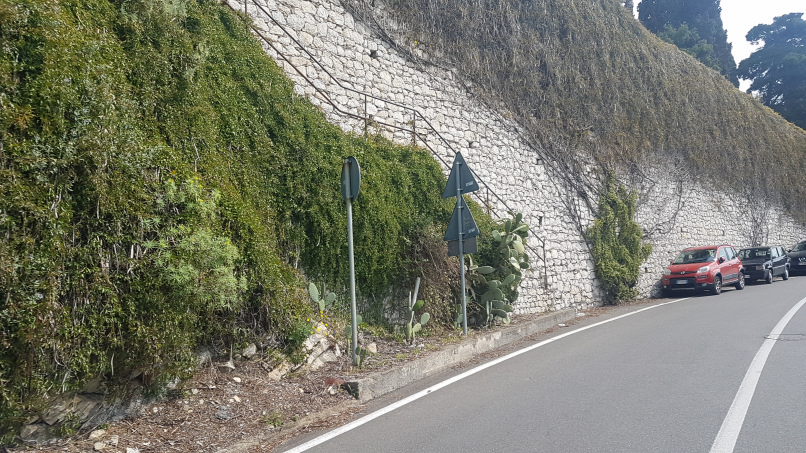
[{"x": 739, "y": 16}]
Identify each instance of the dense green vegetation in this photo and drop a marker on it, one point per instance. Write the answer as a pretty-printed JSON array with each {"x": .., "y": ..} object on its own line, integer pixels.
[
  {"x": 616, "y": 243},
  {"x": 778, "y": 68},
  {"x": 695, "y": 26},
  {"x": 161, "y": 186},
  {"x": 689, "y": 41}
]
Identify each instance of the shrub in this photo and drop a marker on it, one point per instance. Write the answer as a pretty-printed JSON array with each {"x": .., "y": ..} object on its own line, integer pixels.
[
  {"x": 161, "y": 186},
  {"x": 615, "y": 241}
]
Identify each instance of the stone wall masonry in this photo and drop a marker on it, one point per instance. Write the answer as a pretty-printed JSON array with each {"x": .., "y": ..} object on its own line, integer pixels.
[
  {"x": 704, "y": 216},
  {"x": 359, "y": 60}
]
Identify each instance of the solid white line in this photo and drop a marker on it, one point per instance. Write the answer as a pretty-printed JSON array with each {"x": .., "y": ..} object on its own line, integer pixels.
[
  {"x": 369, "y": 417},
  {"x": 729, "y": 432}
]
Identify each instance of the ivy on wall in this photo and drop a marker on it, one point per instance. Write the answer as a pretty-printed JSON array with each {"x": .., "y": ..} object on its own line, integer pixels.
[
  {"x": 616, "y": 244},
  {"x": 161, "y": 186}
]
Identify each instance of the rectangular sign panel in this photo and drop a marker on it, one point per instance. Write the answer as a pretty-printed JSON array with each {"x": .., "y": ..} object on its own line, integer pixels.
[{"x": 469, "y": 246}]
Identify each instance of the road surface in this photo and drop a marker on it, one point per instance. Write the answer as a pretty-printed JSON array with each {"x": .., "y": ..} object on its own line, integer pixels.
[{"x": 715, "y": 374}]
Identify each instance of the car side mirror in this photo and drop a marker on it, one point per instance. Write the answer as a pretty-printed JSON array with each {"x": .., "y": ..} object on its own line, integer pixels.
[{"x": 721, "y": 259}]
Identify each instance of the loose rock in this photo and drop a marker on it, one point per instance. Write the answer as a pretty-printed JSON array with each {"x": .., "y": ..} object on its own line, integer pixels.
[
  {"x": 223, "y": 413},
  {"x": 249, "y": 351},
  {"x": 226, "y": 367}
]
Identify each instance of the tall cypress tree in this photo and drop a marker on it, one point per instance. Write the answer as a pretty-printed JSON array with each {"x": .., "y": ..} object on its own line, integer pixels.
[{"x": 703, "y": 18}]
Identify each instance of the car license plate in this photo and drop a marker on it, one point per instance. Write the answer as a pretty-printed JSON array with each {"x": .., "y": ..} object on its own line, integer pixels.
[{"x": 682, "y": 282}]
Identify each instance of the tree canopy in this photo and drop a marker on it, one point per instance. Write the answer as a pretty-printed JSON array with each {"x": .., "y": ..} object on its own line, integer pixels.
[
  {"x": 778, "y": 68},
  {"x": 692, "y": 25},
  {"x": 689, "y": 41}
]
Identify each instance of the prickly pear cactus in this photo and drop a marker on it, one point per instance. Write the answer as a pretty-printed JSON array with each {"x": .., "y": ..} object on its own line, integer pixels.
[
  {"x": 411, "y": 328},
  {"x": 323, "y": 304},
  {"x": 494, "y": 289}
]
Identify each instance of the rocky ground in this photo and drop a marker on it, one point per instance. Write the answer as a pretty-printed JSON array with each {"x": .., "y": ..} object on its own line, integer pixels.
[{"x": 217, "y": 409}]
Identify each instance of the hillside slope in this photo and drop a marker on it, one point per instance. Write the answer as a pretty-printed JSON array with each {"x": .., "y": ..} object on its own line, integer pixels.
[{"x": 589, "y": 83}]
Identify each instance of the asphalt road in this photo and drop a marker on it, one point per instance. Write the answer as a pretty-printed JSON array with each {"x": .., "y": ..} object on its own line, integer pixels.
[{"x": 703, "y": 374}]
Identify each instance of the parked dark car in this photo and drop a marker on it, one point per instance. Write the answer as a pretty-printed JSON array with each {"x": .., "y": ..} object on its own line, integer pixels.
[
  {"x": 797, "y": 255},
  {"x": 765, "y": 263},
  {"x": 700, "y": 268}
]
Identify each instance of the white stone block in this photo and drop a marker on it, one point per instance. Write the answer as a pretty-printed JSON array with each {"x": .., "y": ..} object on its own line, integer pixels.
[{"x": 295, "y": 21}]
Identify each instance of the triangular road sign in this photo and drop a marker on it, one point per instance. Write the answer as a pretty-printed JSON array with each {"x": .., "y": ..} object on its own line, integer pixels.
[
  {"x": 469, "y": 227},
  {"x": 460, "y": 170}
]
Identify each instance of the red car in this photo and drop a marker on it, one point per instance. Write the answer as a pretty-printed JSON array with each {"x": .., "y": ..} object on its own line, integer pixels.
[{"x": 699, "y": 268}]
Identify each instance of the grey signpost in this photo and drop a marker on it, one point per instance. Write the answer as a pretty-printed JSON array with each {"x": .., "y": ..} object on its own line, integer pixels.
[
  {"x": 462, "y": 229},
  {"x": 350, "y": 184}
]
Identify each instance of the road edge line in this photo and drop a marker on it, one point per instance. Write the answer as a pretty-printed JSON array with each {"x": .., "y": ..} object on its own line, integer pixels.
[
  {"x": 369, "y": 417},
  {"x": 728, "y": 434}
]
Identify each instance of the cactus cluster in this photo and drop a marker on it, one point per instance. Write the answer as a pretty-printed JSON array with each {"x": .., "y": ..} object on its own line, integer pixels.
[
  {"x": 348, "y": 329},
  {"x": 323, "y": 304},
  {"x": 360, "y": 352},
  {"x": 313, "y": 292},
  {"x": 411, "y": 328},
  {"x": 415, "y": 305},
  {"x": 494, "y": 289}
]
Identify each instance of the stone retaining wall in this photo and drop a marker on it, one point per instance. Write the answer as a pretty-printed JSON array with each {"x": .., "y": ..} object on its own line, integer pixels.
[{"x": 675, "y": 212}]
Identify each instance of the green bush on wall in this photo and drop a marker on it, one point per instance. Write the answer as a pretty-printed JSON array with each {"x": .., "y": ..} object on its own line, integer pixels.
[
  {"x": 616, "y": 245},
  {"x": 161, "y": 187}
]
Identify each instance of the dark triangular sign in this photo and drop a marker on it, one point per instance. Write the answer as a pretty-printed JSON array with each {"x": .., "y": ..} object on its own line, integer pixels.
[
  {"x": 469, "y": 227},
  {"x": 460, "y": 170}
]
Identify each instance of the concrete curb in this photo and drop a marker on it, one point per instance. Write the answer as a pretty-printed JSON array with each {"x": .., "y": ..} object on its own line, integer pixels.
[{"x": 383, "y": 382}]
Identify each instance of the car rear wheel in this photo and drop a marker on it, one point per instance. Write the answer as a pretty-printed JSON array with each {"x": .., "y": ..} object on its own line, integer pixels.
[
  {"x": 740, "y": 284},
  {"x": 716, "y": 288},
  {"x": 768, "y": 277},
  {"x": 786, "y": 274}
]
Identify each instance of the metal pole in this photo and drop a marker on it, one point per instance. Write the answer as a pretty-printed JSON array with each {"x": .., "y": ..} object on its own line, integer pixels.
[
  {"x": 354, "y": 346},
  {"x": 414, "y": 129},
  {"x": 461, "y": 245}
]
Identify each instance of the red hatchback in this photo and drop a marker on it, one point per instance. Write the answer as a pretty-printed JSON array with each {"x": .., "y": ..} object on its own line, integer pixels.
[{"x": 699, "y": 268}]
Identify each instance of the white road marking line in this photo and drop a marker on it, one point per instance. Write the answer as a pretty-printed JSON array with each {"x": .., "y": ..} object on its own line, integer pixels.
[
  {"x": 369, "y": 417},
  {"x": 729, "y": 432}
]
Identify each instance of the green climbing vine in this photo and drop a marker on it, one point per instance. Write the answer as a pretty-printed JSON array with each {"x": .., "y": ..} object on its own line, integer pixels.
[
  {"x": 162, "y": 187},
  {"x": 616, "y": 243}
]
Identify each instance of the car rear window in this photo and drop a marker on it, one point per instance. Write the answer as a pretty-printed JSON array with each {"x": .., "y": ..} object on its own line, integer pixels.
[{"x": 747, "y": 254}]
